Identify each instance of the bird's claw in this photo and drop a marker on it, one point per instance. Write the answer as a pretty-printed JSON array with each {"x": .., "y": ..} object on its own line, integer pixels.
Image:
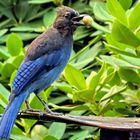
[{"x": 29, "y": 110}]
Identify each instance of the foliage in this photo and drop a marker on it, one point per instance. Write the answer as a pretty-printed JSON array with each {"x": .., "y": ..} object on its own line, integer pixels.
[{"x": 103, "y": 74}]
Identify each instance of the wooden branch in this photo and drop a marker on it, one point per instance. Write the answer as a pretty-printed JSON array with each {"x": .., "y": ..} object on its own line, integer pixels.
[{"x": 114, "y": 123}]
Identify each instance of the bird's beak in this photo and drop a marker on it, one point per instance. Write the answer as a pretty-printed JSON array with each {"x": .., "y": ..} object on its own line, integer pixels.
[{"x": 77, "y": 20}]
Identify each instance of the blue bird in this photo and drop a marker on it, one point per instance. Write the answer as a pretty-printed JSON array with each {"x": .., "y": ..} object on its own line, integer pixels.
[{"x": 45, "y": 59}]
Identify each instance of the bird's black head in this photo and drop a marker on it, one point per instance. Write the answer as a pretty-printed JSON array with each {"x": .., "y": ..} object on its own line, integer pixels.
[{"x": 67, "y": 19}]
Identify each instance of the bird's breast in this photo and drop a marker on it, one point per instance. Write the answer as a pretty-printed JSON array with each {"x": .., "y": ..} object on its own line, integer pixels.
[{"x": 66, "y": 50}]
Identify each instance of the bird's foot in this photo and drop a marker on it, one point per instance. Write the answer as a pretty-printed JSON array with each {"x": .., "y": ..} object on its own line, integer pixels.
[
  {"x": 48, "y": 110},
  {"x": 29, "y": 110}
]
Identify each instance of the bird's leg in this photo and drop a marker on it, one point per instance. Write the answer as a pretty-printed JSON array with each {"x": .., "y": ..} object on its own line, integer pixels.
[
  {"x": 27, "y": 105},
  {"x": 46, "y": 106},
  {"x": 28, "y": 108}
]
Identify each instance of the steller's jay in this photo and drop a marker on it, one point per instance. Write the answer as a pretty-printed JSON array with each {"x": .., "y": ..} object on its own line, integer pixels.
[{"x": 45, "y": 60}]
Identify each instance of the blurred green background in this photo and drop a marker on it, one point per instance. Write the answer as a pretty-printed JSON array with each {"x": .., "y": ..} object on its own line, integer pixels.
[{"x": 103, "y": 74}]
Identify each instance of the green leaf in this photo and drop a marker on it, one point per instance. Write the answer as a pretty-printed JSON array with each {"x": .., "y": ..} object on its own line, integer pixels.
[
  {"x": 74, "y": 77},
  {"x": 132, "y": 60},
  {"x": 39, "y": 1},
  {"x": 4, "y": 95},
  {"x": 113, "y": 92},
  {"x": 38, "y": 14},
  {"x": 46, "y": 93},
  {"x": 80, "y": 33},
  {"x": 50, "y": 137},
  {"x": 17, "y": 60},
  {"x": 27, "y": 36},
  {"x": 12, "y": 78},
  {"x": 38, "y": 132},
  {"x": 83, "y": 95},
  {"x": 112, "y": 41},
  {"x": 4, "y": 92},
  {"x": 117, "y": 50},
  {"x": 28, "y": 28},
  {"x": 94, "y": 78},
  {"x": 7, "y": 69},
  {"x": 87, "y": 56},
  {"x": 115, "y": 80},
  {"x": 64, "y": 87},
  {"x": 129, "y": 75},
  {"x": 82, "y": 135},
  {"x": 7, "y": 11},
  {"x": 116, "y": 62},
  {"x": 100, "y": 27},
  {"x": 116, "y": 10},
  {"x": 101, "y": 12},
  {"x": 35, "y": 103},
  {"x": 4, "y": 53},
  {"x": 124, "y": 35},
  {"x": 134, "y": 18},
  {"x": 125, "y": 4},
  {"x": 58, "y": 100},
  {"x": 57, "y": 129},
  {"x": 49, "y": 17},
  {"x": 126, "y": 111},
  {"x": 21, "y": 9},
  {"x": 3, "y": 31},
  {"x": 19, "y": 137},
  {"x": 14, "y": 44}
]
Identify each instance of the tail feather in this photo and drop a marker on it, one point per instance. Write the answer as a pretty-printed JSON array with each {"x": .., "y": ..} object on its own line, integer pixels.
[{"x": 9, "y": 116}]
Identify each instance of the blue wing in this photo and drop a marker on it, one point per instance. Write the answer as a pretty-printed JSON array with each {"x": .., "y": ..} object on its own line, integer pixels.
[{"x": 29, "y": 69}]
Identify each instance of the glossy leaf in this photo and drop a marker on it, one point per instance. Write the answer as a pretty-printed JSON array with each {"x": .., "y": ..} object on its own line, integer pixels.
[
  {"x": 4, "y": 53},
  {"x": 38, "y": 132},
  {"x": 49, "y": 17},
  {"x": 117, "y": 50},
  {"x": 83, "y": 95},
  {"x": 134, "y": 18},
  {"x": 125, "y": 4},
  {"x": 4, "y": 95},
  {"x": 116, "y": 62},
  {"x": 7, "y": 11},
  {"x": 113, "y": 92},
  {"x": 116, "y": 10},
  {"x": 7, "y": 69},
  {"x": 14, "y": 44},
  {"x": 57, "y": 129},
  {"x": 124, "y": 35},
  {"x": 112, "y": 41},
  {"x": 86, "y": 56},
  {"x": 129, "y": 75},
  {"x": 20, "y": 11},
  {"x": 101, "y": 12},
  {"x": 80, "y": 135},
  {"x": 39, "y": 1},
  {"x": 17, "y": 61},
  {"x": 95, "y": 78},
  {"x": 132, "y": 60},
  {"x": 74, "y": 77},
  {"x": 3, "y": 31},
  {"x": 64, "y": 87},
  {"x": 50, "y": 137}
]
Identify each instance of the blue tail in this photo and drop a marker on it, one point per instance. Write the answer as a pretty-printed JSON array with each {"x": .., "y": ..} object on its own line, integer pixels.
[{"x": 9, "y": 116}]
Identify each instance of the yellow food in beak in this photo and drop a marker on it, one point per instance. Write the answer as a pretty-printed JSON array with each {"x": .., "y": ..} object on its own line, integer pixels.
[{"x": 87, "y": 20}]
